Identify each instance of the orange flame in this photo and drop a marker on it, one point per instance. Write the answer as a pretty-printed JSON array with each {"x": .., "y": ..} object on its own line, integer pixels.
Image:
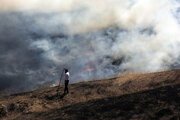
[{"x": 89, "y": 68}]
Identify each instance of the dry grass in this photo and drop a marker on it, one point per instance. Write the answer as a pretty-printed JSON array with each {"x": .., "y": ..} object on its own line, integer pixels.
[{"x": 26, "y": 105}]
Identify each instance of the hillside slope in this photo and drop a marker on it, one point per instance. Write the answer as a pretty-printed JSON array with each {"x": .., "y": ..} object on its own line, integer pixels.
[{"x": 130, "y": 96}]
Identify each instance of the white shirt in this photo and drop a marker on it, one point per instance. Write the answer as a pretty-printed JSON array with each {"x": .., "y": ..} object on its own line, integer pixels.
[{"x": 67, "y": 76}]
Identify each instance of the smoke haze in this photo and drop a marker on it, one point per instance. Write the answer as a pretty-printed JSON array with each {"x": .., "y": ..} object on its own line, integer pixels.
[{"x": 94, "y": 39}]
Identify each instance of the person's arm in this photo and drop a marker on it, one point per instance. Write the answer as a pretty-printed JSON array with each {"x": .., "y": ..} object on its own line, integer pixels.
[{"x": 66, "y": 76}]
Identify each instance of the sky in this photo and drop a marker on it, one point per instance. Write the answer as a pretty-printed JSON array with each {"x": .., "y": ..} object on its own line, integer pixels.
[{"x": 93, "y": 39}]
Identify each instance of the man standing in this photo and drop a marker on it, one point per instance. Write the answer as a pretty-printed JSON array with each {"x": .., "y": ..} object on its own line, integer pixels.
[{"x": 66, "y": 80}]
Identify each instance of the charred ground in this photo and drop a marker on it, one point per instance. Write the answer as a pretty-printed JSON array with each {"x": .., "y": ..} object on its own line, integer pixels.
[{"x": 130, "y": 96}]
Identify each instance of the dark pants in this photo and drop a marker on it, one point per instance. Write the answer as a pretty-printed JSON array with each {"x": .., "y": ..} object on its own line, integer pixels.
[{"x": 66, "y": 86}]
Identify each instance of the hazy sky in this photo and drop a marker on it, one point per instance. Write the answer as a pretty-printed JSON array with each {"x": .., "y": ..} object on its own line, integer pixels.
[{"x": 94, "y": 39}]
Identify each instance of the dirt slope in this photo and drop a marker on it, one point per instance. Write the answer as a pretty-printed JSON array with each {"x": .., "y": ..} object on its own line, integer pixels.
[{"x": 131, "y": 96}]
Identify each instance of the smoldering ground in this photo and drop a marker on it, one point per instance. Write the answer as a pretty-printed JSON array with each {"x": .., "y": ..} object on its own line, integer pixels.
[{"x": 93, "y": 39}]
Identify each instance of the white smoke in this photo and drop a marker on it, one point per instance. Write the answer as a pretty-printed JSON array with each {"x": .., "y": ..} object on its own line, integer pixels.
[
  {"x": 94, "y": 14},
  {"x": 145, "y": 51},
  {"x": 139, "y": 35}
]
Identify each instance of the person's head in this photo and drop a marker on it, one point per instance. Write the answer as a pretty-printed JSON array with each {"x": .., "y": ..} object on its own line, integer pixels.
[{"x": 66, "y": 70}]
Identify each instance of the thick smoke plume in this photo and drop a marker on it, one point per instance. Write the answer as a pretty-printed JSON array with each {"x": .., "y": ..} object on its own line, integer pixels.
[{"x": 94, "y": 39}]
